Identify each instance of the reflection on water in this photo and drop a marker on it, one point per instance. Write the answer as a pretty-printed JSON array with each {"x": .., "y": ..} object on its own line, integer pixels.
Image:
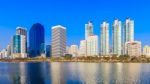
[{"x": 74, "y": 73}]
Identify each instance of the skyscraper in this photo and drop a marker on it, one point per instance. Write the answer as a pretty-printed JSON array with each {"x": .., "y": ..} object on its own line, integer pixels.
[
  {"x": 88, "y": 29},
  {"x": 58, "y": 41},
  {"x": 92, "y": 45},
  {"x": 117, "y": 46},
  {"x": 36, "y": 40},
  {"x": 104, "y": 39},
  {"x": 128, "y": 32}
]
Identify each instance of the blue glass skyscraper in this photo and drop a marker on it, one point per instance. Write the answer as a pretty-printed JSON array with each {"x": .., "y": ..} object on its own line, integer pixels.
[{"x": 36, "y": 40}]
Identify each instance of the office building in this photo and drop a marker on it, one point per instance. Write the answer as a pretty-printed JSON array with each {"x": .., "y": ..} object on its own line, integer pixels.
[
  {"x": 36, "y": 40},
  {"x": 22, "y": 31},
  {"x": 19, "y": 46},
  {"x": 58, "y": 41}
]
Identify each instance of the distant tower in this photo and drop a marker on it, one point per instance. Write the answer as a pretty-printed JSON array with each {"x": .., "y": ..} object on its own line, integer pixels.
[
  {"x": 104, "y": 39},
  {"x": 58, "y": 41},
  {"x": 88, "y": 29},
  {"x": 36, "y": 40},
  {"x": 117, "y": 46}
]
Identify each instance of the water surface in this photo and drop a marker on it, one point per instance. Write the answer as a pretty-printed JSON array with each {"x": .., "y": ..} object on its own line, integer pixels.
[{"x": 74, "y": 73}]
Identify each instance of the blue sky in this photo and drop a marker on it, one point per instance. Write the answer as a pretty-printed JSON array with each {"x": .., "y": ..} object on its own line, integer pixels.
[{"x": 73, "y": 14}]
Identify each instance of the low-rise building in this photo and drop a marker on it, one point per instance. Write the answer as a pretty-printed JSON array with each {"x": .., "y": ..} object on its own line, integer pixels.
[
  {"x": 146, "y": 51},
  {"x": 133, "y": 48},
  {"x": 73, "y": 50}
]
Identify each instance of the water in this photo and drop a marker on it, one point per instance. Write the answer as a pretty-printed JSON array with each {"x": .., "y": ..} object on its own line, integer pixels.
[{"x": 74, "y": 73}]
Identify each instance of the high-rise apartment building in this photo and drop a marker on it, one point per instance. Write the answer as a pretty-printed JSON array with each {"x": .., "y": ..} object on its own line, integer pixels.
[
  {"x": 92, "y": 45},
  {"x": 116, "y": 38},
  {"x": 104, "y": 39},
  {"x": 128, "y": 32},
  {"x": 58, "y": 41}
]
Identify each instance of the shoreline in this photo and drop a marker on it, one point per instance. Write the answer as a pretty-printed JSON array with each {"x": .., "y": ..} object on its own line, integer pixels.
[{"x": 82, "y": 59}]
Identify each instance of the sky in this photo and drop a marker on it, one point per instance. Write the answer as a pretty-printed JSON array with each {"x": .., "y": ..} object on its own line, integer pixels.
[{"x": 73, "y": 14}]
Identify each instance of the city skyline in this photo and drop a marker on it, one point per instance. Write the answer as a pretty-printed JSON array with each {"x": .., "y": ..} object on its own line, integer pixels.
[{"x": 74, "y": 18}]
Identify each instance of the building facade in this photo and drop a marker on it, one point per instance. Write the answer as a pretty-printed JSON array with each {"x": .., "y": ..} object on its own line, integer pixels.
[
  {"x": 58, "y": 41},
  {"x": 116, "y": 33},
  {"x": 36, "y": 40},
  {"x": 104, "y": 39},
  {"x": 92, "y": 45},
  {"x": 133, "y": 48}
]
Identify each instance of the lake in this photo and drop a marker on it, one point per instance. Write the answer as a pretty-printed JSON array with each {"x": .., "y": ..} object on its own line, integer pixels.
[{"x": 74, "y": 73}]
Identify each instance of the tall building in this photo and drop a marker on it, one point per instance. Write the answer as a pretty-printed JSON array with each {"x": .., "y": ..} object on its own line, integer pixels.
[
  {"x": 128, "y": 32},
  {"x": 36, "y": 40},
  {"x": 92, "y": 45},
  {"x": 146, "y": 51},
  {"x": 104, "y": 39},
  {"x": 58, "y": 41},
  {"x": 73, "y": 50},
  {"x": 117, "y": 44},
  {"x": 19, "y": 46},
  {"x": 133, "y": 48},
  {"x": 88, "y": 29},
  {"x": 83, "y": 48}
]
